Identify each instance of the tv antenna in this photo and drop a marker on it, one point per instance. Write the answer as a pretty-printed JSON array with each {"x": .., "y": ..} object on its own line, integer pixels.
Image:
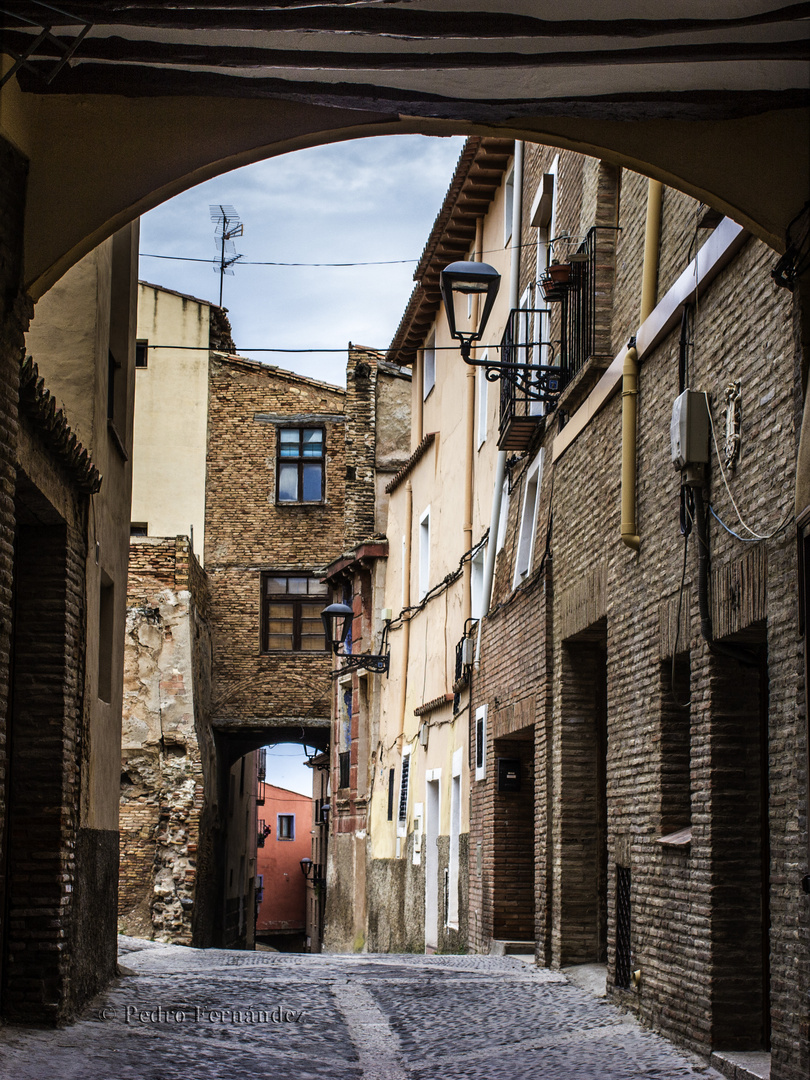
[{"x": 228, "y": 225}]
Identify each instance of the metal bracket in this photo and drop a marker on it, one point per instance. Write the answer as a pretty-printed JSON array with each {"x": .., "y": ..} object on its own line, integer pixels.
[{"x": 379, "y": 665}]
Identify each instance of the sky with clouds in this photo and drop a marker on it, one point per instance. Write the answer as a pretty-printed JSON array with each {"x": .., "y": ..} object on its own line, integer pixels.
[{"x": 366, "y": 200}]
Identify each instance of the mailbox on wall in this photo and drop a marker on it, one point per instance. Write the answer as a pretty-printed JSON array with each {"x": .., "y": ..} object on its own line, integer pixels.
[{"x": 509, "y": 774}]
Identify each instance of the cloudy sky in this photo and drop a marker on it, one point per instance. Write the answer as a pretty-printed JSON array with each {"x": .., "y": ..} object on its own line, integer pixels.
[{"x": 366, "y": 200}]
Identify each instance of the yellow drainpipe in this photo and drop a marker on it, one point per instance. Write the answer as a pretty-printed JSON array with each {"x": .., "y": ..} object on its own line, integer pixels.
[
  {"x": 649, "y": 285},
  {"x": 405, "y": 641},
  {"x": 466, "y": 594}
]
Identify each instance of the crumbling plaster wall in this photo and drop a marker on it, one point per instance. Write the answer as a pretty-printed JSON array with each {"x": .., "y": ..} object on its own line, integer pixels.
[{"x": 167, "y": 750}]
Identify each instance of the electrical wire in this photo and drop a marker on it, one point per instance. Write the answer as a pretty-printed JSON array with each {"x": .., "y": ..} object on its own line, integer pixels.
[
  {"x": 748, "y": 529},
  {"x": 247, "y": 262},
  {"x": 751, "y": 539},
  {"x": 680, "y": 704},
  {"x": 408, "y": 613}
]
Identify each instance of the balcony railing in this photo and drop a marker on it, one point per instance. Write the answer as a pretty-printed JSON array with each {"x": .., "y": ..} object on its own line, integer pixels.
[{"x": 531, "y": 376}]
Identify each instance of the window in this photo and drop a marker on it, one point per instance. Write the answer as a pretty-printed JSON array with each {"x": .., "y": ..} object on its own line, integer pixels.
[
  {"x": 508, "y": 203},
  {"x": 391, "y": 776},
  {"x": 481, "y": 742},
  {"x": 106, "y": 636},
  {"x": 300, "y": 464},
  {"x": 291, "y": 613},
  {"x": 477, "y": 582},
  {"x": 424, "y": 553},
  {"x": 482, "y": 384},
  {"x": 528, "y": 520},
  {"x": 503, "y": 519},
  {"x": 286, "y": 827},
  {"x": 429, "y": 365},
  {"x": 139, "y": 528},
  {"x": 141, "y": 354}
]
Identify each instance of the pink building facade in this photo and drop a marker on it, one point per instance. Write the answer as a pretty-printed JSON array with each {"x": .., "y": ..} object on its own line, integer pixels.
[{"x": 285, "y": 823}]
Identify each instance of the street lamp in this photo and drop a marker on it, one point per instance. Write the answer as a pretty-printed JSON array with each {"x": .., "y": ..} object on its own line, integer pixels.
[
  {"x": 337, "y": 618},
  {"x": 458, "y": 282}
]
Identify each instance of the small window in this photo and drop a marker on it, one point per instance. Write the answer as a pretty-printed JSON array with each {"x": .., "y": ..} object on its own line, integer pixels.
[
  {"x": 429, "y": 365},
  {"x": 300, "y": 465},
  {"x": 477, "y": 582},
  {"x": 482, "y": 404},
  {"x": 139, "y": 528},
  {"x": 286, "y": 827},
  {"x": 424, "y": 553},
  {"x": 106, "y": 635},
  {"x": 291, "y": 613},
  {"x": 503, "y": 519},
  {"x": 528, "y": 520},
  {"x": 391, "y": 778},
  {"x": 141, "y": 354},
  {"x": 481, "y": 743},
  {"x": 508, "y": 204}
]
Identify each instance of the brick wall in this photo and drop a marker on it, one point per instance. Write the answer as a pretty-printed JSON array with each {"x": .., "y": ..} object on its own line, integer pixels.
[
  {"x": 15, "y": 314},
  {"x": 682, "y": 907},
  {"x": 247, "y": 532}
]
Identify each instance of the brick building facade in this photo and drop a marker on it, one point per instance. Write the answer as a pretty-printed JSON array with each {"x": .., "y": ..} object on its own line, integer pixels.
[{"x": 636, "y": 752}]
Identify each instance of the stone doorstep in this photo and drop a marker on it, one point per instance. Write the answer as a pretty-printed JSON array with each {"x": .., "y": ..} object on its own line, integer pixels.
[
  {"x": 511, "y": 948},
  {"x": 742, "y": 1064}
]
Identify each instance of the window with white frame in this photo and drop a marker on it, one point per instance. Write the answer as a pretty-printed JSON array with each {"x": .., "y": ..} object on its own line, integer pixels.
[
  {"x": 480, "y": 759},
  {"x": 503, "y": 518},
  {"x": 424, "y": 553},
  {"x": 528, "y": 520},
  {"x": 285, "y": 827},
  {"x": 429, "y": 365},
  {"x": 477, "y": 582},
  {"x": 481, "y": 386},
  {"x": 508, "y": 204}
]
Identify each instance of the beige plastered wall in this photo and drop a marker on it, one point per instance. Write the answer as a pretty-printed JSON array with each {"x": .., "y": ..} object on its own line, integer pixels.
[
  {"x": 171, "y": 415},
  {"x": 91, "y": 310},
  {"x": 437, "y": 484}
]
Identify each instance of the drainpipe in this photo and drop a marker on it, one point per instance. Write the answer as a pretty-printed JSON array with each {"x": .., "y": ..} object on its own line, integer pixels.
[
  {"x": 649, "y": 284},
  {"x": 406, "y": 600},
  {"x": 466, "y": 601},
  {"x": 500, "y": 463}
]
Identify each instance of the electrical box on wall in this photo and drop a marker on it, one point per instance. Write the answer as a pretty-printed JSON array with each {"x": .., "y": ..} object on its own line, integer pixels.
[
  {"x": 689, "y": 433},
  {"x": 508, "y": 774}
]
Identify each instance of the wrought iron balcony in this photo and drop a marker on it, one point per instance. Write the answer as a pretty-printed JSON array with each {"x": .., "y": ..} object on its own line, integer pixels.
[{"x": 531, "y": 373}]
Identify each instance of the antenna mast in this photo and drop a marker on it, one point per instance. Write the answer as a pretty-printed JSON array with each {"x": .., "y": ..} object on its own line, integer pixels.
[{"x": 228, "y": 225}]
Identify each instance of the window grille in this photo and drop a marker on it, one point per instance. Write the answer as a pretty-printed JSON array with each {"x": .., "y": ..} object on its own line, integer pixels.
[{"x": 403, "y": 790}]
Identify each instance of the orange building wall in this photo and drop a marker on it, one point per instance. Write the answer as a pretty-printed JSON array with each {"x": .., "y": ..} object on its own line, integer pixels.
[{"x": 283, "y": 905}]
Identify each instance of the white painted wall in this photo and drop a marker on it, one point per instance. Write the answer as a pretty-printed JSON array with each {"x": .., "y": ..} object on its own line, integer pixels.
[{"x": 171, "y": 415}]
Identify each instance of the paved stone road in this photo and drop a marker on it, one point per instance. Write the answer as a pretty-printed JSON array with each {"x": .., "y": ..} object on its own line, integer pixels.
[{"x": 188, "y": 1014}]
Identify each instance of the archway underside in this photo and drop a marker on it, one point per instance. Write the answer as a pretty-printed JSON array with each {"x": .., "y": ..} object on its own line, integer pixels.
[
  {"x": 110, "y": 159},
  {"x": 120, "y": 106}
]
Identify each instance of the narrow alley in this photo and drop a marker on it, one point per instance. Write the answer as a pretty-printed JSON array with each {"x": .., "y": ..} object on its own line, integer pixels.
[{"x": 178, "y": 1012}]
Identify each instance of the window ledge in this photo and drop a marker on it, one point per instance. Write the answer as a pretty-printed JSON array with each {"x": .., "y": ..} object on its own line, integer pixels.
[{"x": 680, "y": 838}]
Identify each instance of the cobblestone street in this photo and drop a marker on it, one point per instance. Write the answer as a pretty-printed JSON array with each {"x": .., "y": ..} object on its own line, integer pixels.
[{"x": 184, "y": 1013}]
